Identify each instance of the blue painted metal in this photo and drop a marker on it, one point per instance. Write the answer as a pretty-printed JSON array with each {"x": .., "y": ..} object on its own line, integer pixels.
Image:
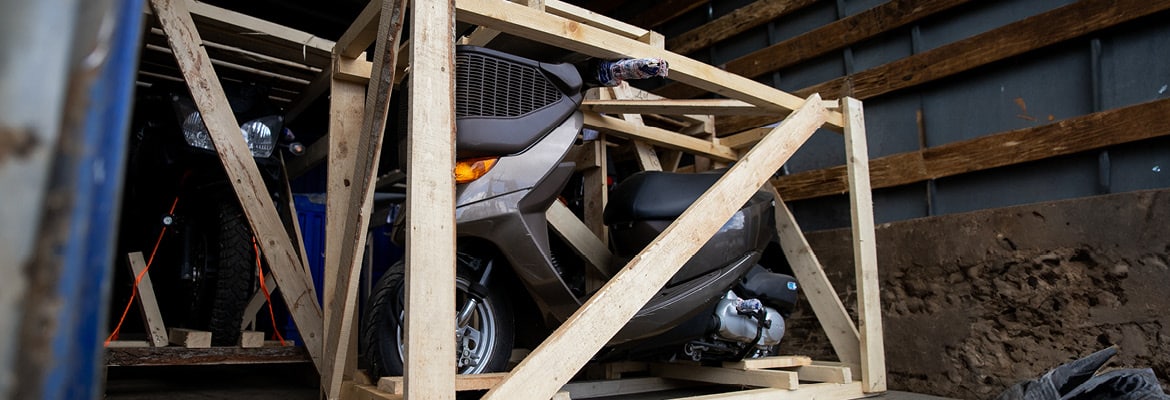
[{"x": 84, "y": 286}]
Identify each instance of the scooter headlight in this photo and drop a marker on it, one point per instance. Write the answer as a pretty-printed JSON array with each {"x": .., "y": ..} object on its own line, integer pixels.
[
  {"x": 470, "y": 170},
  {"x": 259, "y": 133}
]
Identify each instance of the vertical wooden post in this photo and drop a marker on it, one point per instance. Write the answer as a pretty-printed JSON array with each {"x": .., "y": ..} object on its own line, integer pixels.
[
  {"x": 430, "y": 204},
  {"x": 241, "y": 169},
  {"x": 355, "y": 159},
  {"x": 873, "y": 359}
]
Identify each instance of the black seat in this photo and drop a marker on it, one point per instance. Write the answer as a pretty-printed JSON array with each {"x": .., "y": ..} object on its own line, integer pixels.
[{"x": 655, "y": 195}]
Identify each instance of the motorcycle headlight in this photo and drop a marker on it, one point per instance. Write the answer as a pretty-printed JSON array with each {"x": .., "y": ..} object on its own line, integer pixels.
[{"x": 260, "y": 135}]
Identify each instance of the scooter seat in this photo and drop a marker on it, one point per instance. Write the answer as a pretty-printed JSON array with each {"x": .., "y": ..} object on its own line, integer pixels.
[{"x": 655, "y": 195}]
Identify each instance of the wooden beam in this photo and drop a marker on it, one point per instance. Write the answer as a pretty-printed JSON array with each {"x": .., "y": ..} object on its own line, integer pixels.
[
  {"x": 814, "y": 391},
  {"x": 673, "y": 107},
  {"x": 241, "y": 170},
  {"x": 1074, "y": 135},
  {"x": 596, "y": 20},
  {"x": 1032, "y": 33},
  {"x": 583, "y": 334},
  {"x": 622, "y": 387},
  {"x": 658, "y": 137},
  {"x": 647, "y": 158},
  {"x": 825, "y": 373},
  {"x": 834, "y": 36},
  {"x": 430, "y": 203},
  {"x": 736, "y": 22},
  {"x": 253, "y": 34},
  {"x": 869, "y": 310},
  {"x": 580, "y": 238},
  {"x": 525, "y": 22},
  {"x": 817, "y": 289},
  {"x": 744, "y": 139},
  {"x": 769, "y": 362},
  {"x": 725, "y": 376},
  {"x": 463, "y": 383},
  {"x": 361, "y": 33},
  {"x": 353, "y": 174},
  {"x": 156, "y": 331},
  {"x": 355, "y": 391},
  {"x": 665, "y": 11},
  {"x": 190, "y": 338}
]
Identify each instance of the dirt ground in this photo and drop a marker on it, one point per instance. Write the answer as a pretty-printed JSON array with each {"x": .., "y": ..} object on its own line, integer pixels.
[{"x": 973, "y": 303}]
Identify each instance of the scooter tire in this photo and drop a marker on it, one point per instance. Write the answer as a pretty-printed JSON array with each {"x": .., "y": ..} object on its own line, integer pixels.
[
  {"x": 381, "y": 326},
  {"x": 235, "y": 274}
]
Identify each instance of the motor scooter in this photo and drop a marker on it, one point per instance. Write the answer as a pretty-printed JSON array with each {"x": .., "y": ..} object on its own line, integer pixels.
[{"x": 516, "y": 120}]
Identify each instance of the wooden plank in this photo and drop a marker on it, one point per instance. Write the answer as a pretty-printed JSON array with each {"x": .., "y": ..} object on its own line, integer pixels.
[
  {"x": 241, "y": 170},
  {"x": 647, "y": 158},
  {"x": 596, "y": 20},
  {"x": 161, "y": 356},
  {"x": 524, "y": 22},
  {"x": 580, "y": 238},
  {"x": 120, "y": 344},
  {"x": 583, "y": 334},
  {"x": 430, "y": 203},
  {"x": 190, "y": 338},
  {"x": 1032, "y": 33},
  {"x": 352, "y": 177},
  {"x": 156, "y": 330},
  {"x": 815, "y": 391},
  {"x": 725, "y": 376},
  {"x": 251, "y": 339},
  {"x": 463, "y": 383},
  {"x": 744, "y": 139},
  {"x": 595, "y": 190},
  {"x": 1070, "y": 136},
  {"x": 817, "y": 289},
  {"x": 253, "y": 34},
  {"x": 824, "y": 373},
  {"x": 658, "y": 137},
  {"x": 673, "y": 107},
  {"x": 834, "y": 36},
  {"x": 736, "y": 22},
  {"x": 665, "y": 11},
  {"x": 769, "y": 362},
  {"x": 873, "y": 358},
  {"x": 622, "y": 387}
]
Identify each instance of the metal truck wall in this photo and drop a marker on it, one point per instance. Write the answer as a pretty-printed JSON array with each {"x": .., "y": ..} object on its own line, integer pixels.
[{"x": 1107, "y": 69}]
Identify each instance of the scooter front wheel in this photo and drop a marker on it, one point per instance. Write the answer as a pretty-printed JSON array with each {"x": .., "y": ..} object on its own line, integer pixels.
[{"x": 484, "y": 326}]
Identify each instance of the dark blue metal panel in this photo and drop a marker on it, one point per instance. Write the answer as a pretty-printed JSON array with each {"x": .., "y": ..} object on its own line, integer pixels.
[
  {"x": 891, "y": 125},
  {"x": 1138, "y": 166},
  {"x": 855, "y": 6},
  {"x": 1135, "y": 64},
  {"x": 823, "y": 150},
  {"x": 1046, "y": 180},
  {"x": 899, "y": 203},
  {"x": 1019, "y": 94}
]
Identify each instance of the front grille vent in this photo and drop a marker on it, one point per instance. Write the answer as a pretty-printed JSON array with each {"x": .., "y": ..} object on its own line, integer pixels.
[{"x": 486, "y": 86}]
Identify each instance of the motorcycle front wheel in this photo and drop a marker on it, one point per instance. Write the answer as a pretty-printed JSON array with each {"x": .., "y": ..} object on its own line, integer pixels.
[{"x": 484, "y": 329}]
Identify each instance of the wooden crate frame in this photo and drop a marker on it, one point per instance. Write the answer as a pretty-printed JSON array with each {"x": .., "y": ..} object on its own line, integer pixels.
[{"x": 355, "y": 136}]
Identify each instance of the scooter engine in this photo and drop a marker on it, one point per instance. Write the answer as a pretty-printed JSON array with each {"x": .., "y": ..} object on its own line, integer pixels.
[{"x": 748, "y": 321}]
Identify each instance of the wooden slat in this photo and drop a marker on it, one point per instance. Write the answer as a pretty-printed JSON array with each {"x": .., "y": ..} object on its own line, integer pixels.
[
  {"x": 355, "y": 391},
  {"x": 830, "y": 37},
  {"x": 664, "y": 11},
  {"x": 251, "y": 339},
  {"x": 736, "y": 22},
  {"x": 253, "y": 34},
  {"x": 430, "y": 203},
  {"x": 725, "y": 376},
  {"x": 769, "y": 362},
  {"x": 361, "y": 32},
  {"x": 744, "y": 139},
  {"x": 658, "y": 136},
  {"x": 463, "y": 383},
  {"x": 189, "y": 338},
  {"x": 156, "y": 331},
  {"x": 227, "y": 355},
  {"x": 647, "y": 158},
  {"x": 583, "y": 334},
  {"x": 622, "y": 387},
  {"x": 817, "y": 289},
  {"x": 873, "y": 356},
  {"x": 596, "y": 20},
  {"x": 825, "y": 373},
  {"x": 353, "y": 174},
  {"x": 1074, "y": 135},
  {"x": 815, "y": 391},
  {"x": 524, "y": 22},
  {"x": 580, "y": 238},
  {"x": 1029, "y": 34},
  {"x": 242, "y": 171},
  {"x": 673, "y": 107}
]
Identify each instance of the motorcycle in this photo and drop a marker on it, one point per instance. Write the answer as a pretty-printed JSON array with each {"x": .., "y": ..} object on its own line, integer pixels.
[
  {"x": 516, "y": 121},
  {"x": 180, "y": 209}
]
